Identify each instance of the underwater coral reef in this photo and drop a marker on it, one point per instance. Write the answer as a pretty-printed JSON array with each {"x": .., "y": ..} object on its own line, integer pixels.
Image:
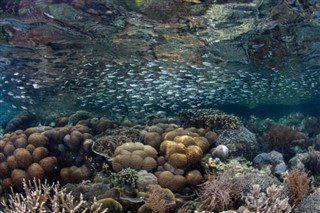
[{"x": 160, "y": 166}]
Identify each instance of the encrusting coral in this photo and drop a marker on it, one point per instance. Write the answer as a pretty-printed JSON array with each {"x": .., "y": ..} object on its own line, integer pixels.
[{"x": 45, "y": 198}]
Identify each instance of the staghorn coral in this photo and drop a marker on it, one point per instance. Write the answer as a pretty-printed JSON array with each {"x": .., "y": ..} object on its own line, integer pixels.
[
  {"x": 218, "y": 193},
  {"x": 298, "y": 185},
  {"x": 267, "y": 202},
  {"x": 45, "y": 198}
]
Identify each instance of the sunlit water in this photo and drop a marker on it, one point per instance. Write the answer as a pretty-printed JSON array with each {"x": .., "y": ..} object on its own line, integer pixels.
[{"x": 116, "y": 59}]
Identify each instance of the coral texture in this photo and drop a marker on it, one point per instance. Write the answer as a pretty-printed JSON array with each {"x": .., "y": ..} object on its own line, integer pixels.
[{"x": 45, "y": 198}]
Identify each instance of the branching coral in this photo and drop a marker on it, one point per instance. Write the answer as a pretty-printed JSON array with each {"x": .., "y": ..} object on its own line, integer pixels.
[
  {"x": 269, "y": 202},
  {"x": 45, "y": 198},
  {"x": 298, "y": 185},
  {"x": 218, "y": 193}
]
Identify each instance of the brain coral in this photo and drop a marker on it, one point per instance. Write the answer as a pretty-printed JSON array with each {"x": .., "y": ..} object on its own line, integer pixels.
[{"x": 134, "y": 155}]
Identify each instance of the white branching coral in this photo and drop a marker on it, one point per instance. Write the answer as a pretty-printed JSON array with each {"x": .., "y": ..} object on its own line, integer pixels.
[
  {"x": 266, "y": 202},
  {"x": 44, "y": 198}
]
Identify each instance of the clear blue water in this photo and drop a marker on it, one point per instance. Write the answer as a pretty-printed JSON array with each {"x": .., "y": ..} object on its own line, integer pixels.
[{"x": 135, "y": 58}]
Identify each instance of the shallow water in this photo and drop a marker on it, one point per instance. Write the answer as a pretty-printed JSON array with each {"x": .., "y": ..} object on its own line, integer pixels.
[{"x": 138, "y": 57}]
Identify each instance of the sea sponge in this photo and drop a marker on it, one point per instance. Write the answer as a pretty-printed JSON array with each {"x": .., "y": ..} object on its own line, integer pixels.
[
  {"x": 17, "y": 176},
  {"x": 178, "y": 160},
  {"x": 49, "y": 165},
  {"x": 175, "y": 183},
  {"x": 36, "y": 171},
  {"x": 37, "y": 139},
  {"x": 23, "y": 158},
  {"x": 153, "y": 139},
  {"x": 39, "y": 153},
  {"x": 194, "y": 154},
  {"x": 4, "y": 170},
  {"x": 194, "y": 177}
]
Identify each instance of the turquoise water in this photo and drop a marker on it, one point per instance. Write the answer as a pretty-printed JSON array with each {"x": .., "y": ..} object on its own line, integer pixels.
[{"x": 134, "y": 58}]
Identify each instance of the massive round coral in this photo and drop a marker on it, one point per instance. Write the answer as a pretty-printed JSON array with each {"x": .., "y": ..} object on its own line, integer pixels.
[{"x": 134, "y": 155}]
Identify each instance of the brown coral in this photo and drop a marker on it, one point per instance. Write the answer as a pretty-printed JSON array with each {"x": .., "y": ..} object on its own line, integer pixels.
[
  {"x": 49, "y": 165},
  {"x": 37, "y": 139},
  {"x": 153, "y": 139},
  {"x": 178, "y": 160},
  {"x": 194, "y": 177},
  {"x": 175, "y": 183},
  {"x": 75, "y": 174},
  {"x": 17, "y": 177},
  {"x": 36, "y": 171},
  {"x": 23, "y": 158},
  {"x": 134, "y": 155}
]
